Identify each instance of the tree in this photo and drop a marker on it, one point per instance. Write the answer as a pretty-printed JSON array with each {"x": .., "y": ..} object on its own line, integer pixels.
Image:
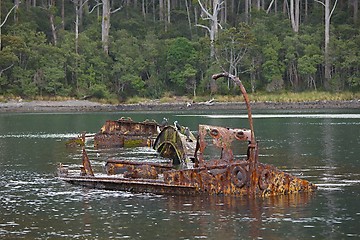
[
  {"x": 309, "y": 61},
  {"x": 327, "y": 18},
  {"x": 180, "y": 62},
  {"x": 152, "y": 49},
  {"x": 233, "y": 45},
  {"x": 295, "y": 14},
  {"x": 2, "y": 23},
  {"x": 272, "y": 67},
  {"x": 105, "y": 24},
  {"x": 213, "y": 21},
  {"x": 128, "y": 66}
]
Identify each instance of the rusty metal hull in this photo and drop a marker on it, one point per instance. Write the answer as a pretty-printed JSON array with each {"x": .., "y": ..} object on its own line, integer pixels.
[
  {"x": 125, "y": 132},
  {"x": 211, "y": 164},
  {"x": 216, "y": 180},
  {"x": 137, "y": 186}
]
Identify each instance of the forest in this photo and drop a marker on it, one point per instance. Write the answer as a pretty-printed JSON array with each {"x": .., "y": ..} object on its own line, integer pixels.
[{"x": 152, "y": 48}]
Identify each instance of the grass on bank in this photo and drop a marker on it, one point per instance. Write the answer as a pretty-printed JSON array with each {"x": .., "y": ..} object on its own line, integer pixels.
[
  {"x": 254, "y": 97},
  {"x": 263, "y": 97}
]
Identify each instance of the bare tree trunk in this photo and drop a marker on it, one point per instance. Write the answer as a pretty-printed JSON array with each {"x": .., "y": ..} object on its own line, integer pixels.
[
  {"x": 247, "y": 12},
  {"x": 327, "y": 40},
  {"x": 16, "y": 17},
  {"x": 285, "y": 7},
  {"x": 81, "y": 12},
  {"x": 52, "y": 22},
  {"x": 327, "y": 18},
  {"x": 223, "y": 13},
  {"x": 77, "y": 26},
  {"x": 252, "y": 76},
  {"x": 188, "y": 15},
  {"x": 143, "y": 9},
  {"x": 214, "y": 23},
  {"x": 161, "y": 10},
  {"x": 154, "y": 15},
  {"x": 297, "y": 15},
  {"x": 105, "y": 25},
  {"x": 356, "y": 9},
  {"x": 6, "y": 18},
  {"x": 294, "y": 15},
  {"x": 62, "y": 14},
  {"x": 168, "y": 11}
]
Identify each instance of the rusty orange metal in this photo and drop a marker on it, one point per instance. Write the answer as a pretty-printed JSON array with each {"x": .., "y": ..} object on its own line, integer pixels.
[
  {"x": 213, "y": 164},
  {"x": 125, "y": 132}
]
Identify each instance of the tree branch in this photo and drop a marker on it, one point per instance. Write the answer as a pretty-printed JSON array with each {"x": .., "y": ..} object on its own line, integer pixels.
[
  {"x": 332, "y": 10},
  {"x": 320, "y": 2},
  {"x": 7, "y": 15},
  {"x": 218, "y": 7},
  {"x": 3, "y": 70},
  {"x": 84, "y": 3},
  {"x": 98, "y": 4},
  {"x": 119, "y": 8},
  {"x": 204, "y": 9},
  {"x": 116, "y": 10},
  {"x": 270, "y": 5},
  {"x": 199, "y": 25}
]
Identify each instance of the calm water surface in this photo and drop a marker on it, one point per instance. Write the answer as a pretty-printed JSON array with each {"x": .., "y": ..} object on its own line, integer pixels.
[{"x": 322, "y": 147}]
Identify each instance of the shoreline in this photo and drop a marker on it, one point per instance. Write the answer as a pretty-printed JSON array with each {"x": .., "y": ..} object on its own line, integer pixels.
[{"x": 88, "y": 106}]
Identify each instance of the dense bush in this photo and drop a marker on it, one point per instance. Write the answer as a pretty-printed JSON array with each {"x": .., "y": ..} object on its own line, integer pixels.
[{"x": 41, "y": 55}]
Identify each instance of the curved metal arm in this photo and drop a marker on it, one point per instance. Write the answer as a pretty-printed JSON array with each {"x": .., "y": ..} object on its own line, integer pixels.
[{"x": 237, "y": 81}]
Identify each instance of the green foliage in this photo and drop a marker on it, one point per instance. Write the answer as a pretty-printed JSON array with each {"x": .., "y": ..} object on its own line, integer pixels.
[
  {"x": 99, "y": 91},
  {"x": 273, "y": 68},
  {"x": 233, "y": 45},
  {"x": 180, "y": 62},
  {"x": 150, "y": 57}
]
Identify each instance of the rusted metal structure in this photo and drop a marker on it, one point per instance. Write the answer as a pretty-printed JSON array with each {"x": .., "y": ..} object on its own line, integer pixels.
[
  {"x": 177, "y": 144},
  {"x": 125, "y": 132},
  {"x": 216, "y": 166}
]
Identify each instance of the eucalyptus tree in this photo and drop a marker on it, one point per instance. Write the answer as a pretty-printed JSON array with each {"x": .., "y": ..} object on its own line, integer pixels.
[
  {"x": 2, "y": 22},
  {"x": 232, "y": 47},
  {"x": 327, "y": 17},
  {"x": 295, "y": 14},
  {"x": 105, "y": 24},
  {"x": 210, "y": 13}
]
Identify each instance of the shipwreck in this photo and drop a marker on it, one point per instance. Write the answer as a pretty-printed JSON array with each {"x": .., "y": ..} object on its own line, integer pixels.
[{"x": 209, "y": 163}]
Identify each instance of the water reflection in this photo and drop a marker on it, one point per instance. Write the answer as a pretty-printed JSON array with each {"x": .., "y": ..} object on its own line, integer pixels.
[{"x": 322, "y": 148}]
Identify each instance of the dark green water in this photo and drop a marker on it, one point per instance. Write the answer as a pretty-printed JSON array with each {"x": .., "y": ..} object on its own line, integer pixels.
[{"x": 323, "y": 147}]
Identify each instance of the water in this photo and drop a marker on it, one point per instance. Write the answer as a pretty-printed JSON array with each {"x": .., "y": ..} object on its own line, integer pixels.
[{"x": 322, "y": 147}]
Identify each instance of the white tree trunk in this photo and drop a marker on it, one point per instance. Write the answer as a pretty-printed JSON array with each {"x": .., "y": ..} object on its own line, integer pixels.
[
  {"x": 327, "y": 40},
  {"x": 356, "y": 10},
  {"x": 77, "y": 26},
  {"x": 327, "y": 18},
  {"x": 105, "y": 25},
  {"x": 294, "y": 14},
  {"x": 247, "y": 7},
  {"x": 213, "y": 21},
  {"x": 53, "y": 28}
]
